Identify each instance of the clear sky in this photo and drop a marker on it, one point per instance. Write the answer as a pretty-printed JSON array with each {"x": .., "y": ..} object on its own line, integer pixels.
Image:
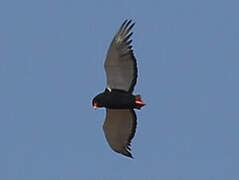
[{"x": 51, "y": 65}]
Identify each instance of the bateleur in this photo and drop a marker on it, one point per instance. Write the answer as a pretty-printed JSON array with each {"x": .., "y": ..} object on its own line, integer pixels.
[{"x": 121, "y": 72}]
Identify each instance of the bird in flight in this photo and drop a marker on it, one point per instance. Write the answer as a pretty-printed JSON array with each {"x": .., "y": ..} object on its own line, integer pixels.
[{"x": 121, "y": 72}]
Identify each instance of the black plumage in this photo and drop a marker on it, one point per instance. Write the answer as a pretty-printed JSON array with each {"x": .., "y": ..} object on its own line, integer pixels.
[{"x": 121, "y": 72}]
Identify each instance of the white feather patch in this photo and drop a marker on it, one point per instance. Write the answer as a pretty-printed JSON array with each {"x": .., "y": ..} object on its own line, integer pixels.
[{"x": 109, "y": 89}]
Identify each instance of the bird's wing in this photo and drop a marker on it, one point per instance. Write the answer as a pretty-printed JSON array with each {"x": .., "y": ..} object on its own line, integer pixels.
[
  {"x": 120, "y": 64},
  {"x": 119, "y": 128}
]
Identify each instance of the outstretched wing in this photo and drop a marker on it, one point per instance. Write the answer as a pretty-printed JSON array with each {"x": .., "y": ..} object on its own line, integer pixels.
[
  {"x": 119, "y": 128},
  {"x": 120, "y": 64}
]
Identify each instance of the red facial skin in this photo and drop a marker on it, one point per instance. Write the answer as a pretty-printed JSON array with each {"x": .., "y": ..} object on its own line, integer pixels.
[{"x": 95, "y": 105}]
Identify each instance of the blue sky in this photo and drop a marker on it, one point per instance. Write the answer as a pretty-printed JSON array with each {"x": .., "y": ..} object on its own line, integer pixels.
[{"x": 51, "y": 65}]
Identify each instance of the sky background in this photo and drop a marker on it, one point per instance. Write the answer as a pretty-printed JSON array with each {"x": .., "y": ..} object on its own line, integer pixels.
[{"x": 51, "y": 66}]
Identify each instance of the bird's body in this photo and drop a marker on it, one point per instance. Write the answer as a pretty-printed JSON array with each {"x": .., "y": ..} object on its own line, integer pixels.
[
  {"x": 121, "y": 71},
  {"x": 117, "y": 99}
]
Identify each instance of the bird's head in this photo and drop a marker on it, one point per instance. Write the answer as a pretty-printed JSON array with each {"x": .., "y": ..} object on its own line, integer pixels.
[{"x": 98, "y": 101}]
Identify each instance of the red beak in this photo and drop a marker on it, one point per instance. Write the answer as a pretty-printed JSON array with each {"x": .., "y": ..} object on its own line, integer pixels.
[{"x": 95, "y": 106}]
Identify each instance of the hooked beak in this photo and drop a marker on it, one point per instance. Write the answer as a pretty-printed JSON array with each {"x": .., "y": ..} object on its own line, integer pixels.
[{"x": 95, "y": 105}]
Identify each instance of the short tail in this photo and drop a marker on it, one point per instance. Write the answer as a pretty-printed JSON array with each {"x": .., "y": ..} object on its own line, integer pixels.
[{"x": 138, "y": 102}]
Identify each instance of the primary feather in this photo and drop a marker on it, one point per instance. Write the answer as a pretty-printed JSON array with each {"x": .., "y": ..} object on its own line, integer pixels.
[{"x": 120, "y": 64}]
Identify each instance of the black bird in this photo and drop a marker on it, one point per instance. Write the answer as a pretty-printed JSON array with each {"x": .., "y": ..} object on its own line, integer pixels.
[{"x": 121, "y": 71}]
